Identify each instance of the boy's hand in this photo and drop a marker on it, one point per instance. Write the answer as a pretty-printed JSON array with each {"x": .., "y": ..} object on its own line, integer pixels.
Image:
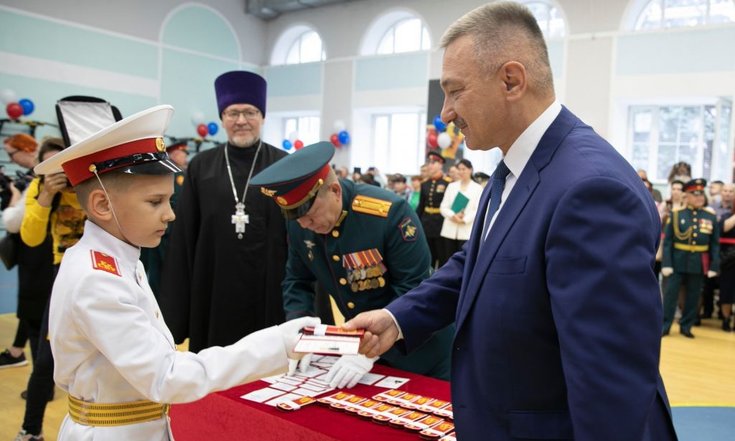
[{"x": 291, "y": 333}]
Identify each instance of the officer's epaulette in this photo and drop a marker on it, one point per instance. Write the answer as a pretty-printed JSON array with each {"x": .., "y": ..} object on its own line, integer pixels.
[
  {"x": 104, "y": 262},
  {"x": 368, "y": 205},
  {"x": 447, "y": 178},
  {"x": 710, "y": 210}
]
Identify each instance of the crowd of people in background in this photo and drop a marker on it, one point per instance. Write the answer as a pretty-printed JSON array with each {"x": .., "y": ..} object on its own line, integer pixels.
[{"x": 696, "y": 255}]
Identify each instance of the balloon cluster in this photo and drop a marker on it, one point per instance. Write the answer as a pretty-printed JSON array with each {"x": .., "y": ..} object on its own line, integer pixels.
[
  {"x": 292, "y": 141},
  {"x": 197, "y": 119},
  {"x": 340, "y": 136},
  {"x": 441, "y": 134},
  {"x": 16, "y": 109}
]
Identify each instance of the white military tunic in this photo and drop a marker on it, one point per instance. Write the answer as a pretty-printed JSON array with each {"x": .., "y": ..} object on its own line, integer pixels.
[{"x": 111, "y": 345}]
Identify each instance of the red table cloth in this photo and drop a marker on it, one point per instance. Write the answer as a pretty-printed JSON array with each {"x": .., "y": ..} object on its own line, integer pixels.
[{"x": 226, "y": 416}]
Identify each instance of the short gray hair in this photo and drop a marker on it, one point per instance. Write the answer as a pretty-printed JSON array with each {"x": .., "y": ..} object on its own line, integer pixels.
[{"x": 505, "y": 31}]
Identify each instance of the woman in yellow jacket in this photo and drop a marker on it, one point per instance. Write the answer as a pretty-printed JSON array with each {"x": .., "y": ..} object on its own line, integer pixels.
[{"x": 51, "y": 208}]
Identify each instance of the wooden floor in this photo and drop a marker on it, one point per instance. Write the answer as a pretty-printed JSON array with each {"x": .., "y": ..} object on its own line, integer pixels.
[{"x": 696, "y": 372}]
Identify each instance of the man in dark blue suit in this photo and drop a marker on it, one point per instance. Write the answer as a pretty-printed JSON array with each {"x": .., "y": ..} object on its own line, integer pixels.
[{"x": 557, "y": 306}]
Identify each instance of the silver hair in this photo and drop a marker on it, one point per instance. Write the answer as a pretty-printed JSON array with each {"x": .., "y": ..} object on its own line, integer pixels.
[{"x": 505, "y": 31}]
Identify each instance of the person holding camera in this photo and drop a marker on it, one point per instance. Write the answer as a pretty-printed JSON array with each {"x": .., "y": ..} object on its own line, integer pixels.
[
  {"x": 52, "y": 211},
  {"x": 21, "y": 149}
]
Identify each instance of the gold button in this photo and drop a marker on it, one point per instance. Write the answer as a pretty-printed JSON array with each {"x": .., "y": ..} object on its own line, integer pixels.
[
  {"x": 343, "y": 281},
  {"x": 335, "y": 258},
  {"x": 694, "y": 235},
  {"x": 335, "y": 233},
  {"x": 350, "y": 305}
]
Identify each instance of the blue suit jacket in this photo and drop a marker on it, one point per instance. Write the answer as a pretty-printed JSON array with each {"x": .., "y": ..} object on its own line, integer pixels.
[{"x": 558, "y": 313}]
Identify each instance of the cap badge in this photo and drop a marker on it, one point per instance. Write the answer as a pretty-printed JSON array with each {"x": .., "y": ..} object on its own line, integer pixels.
[
  {"x": 267, "y": 192},
  {"x": 281, "y": 200},
  {"x": 160, "y": 145}
]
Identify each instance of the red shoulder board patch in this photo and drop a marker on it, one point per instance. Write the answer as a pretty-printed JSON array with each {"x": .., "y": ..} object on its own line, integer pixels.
[{"x": 104, "y": 262}]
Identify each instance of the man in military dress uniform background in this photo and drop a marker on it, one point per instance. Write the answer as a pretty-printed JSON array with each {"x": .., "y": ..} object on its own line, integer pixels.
[
  {"x": 691, "y": 250},
  {"x": 363, "y": 244},
  {"x": 432, "y": 194}
]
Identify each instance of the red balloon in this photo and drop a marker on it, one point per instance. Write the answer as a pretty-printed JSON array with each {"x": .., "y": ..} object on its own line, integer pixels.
[
  {"x": 14, "y": 110},
  {"x": 334, "y": 139},
  {"x": 298, "y": 144},
  {"x": 202, "y": 130},
  {"x": 431, "y": 139}
]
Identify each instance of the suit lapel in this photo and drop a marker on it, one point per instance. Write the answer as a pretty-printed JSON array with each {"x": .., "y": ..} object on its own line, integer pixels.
[{"x": 483, "y": 253}]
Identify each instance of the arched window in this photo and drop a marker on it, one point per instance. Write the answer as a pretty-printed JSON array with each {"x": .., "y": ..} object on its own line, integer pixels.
[
  {"x": 298, "y": 44},
  {"x": 405, "y": 35},
  {"x": 658, "y": 14},
  {"x": 549, "y": 17},
  {"x": 396, "y": 32}
]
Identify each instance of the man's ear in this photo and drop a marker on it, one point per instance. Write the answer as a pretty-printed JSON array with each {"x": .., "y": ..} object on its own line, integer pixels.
[
  {"x": 336, "y": 189},
  {"x": 515, "y": 78},
  {"x": 98, "y": 205}
]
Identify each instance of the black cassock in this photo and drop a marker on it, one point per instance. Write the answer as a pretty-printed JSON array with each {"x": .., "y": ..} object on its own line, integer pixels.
[{"x": 216, "y": 288}]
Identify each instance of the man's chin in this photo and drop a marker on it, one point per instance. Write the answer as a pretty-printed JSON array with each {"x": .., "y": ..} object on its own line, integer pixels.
[{"x": 243, "y": 141}]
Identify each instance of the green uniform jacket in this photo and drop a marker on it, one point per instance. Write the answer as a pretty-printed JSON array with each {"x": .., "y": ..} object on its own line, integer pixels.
[
  {"x": 690, "y": 233},
  {"x": 376, "y": 253}
]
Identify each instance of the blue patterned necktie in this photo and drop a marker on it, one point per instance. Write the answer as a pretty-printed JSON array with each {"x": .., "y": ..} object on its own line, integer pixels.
[{"x": 496, "y": 193}]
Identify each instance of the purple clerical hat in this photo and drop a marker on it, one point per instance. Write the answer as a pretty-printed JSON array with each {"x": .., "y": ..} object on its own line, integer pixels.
[{"x": 240, "y": 87}]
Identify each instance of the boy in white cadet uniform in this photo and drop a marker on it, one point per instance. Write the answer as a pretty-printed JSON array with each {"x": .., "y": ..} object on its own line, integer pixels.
[{"x": 114, "y": 354}]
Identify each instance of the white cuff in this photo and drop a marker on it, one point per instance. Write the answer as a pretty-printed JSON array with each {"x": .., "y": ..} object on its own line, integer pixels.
[{"x": 400, "y": 332}]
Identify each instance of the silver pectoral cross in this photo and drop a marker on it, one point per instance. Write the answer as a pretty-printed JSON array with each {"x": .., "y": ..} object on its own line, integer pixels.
[{"x": 240, "y": 219}]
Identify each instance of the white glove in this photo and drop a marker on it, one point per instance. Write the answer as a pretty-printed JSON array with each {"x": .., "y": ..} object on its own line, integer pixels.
[
  {"x": 348, "y": 370},
  {"x": 667, "y": 271},
  {"x": 291, "y": 333},
  {"x": 711, "y": 274},
  {"x": 302, "y": 364}
]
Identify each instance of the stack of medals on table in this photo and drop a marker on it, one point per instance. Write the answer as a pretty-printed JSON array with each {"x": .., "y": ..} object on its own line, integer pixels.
[
  {"x": 431, "y": 418},
  {"x": 364, "y": 269}
]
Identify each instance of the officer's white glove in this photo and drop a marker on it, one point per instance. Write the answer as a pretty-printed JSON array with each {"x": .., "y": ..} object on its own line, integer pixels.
[
  {"x": 302, "y": 364},
  {"x": 711, "y": 274},
  {"x": 667, "y": 271},
  {"x": 291, "y": 333},
  {"x": 348, "y": 370}
]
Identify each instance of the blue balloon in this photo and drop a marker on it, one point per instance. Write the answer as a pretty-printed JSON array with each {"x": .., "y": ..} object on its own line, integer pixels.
[
  {"x": 212, "y": 128},
  {"x": 439, "y": 124},
  {"x": 286, "y": 144},
  {"x": 344, "y": 137},
  {"x": 27, "y": 106}
]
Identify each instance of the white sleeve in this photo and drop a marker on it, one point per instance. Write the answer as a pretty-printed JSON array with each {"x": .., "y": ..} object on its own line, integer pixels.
[
  {"x": 106, "y": 309},
  {"x": 13, "y": 216}
]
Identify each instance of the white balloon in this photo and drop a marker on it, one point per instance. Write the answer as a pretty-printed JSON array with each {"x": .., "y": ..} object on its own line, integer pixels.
[
  {"x": 293, "y": 136},
  {"x": 444, "y": 140},
  {"x": 197, "y": 118},
  {"x": 8, "y": 96},
  {"x": 339, "y": 125}
]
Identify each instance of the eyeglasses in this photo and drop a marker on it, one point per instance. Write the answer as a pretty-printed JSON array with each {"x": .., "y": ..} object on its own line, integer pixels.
[{"x": 249, "y": 114}]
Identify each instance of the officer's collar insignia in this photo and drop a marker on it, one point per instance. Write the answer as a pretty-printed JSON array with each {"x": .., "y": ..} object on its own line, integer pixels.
[
  {"x": 309, "y": 249},
  {"x": 104, "y": 262},
  {"x": 408, "y": 229}
]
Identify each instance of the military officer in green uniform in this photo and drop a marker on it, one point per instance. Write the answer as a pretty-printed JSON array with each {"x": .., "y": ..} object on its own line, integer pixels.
[
  {"x": 691, "y": 251},
  {"x": 363, "y": 244},
  {"x": 430, "y": 200}
]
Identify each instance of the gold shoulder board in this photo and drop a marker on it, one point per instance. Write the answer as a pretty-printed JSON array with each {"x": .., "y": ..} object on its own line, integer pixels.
[
  {"x": 710, "y": 210},
  {"x": 368, "y": 205}
]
